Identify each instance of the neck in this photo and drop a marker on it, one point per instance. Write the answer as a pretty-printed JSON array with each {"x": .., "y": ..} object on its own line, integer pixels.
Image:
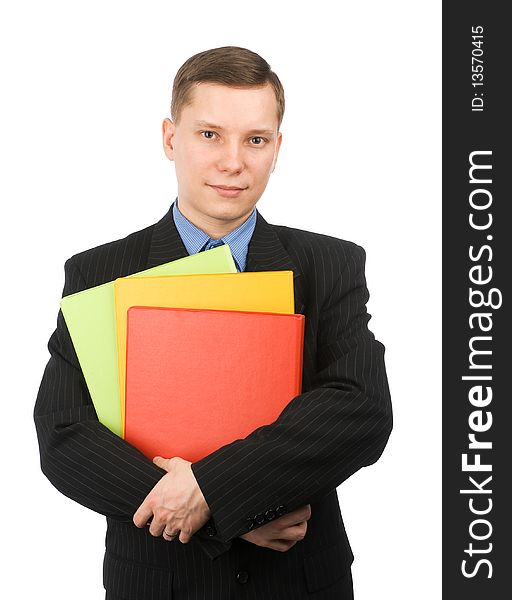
[{"x": 215, "y": 228}]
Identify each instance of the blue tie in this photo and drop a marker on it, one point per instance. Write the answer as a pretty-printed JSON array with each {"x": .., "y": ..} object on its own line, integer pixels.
[{"x": 212, "y": 244}]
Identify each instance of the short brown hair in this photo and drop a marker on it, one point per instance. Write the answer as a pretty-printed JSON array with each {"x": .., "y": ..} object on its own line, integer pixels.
[{"x": 229, "y": 65}]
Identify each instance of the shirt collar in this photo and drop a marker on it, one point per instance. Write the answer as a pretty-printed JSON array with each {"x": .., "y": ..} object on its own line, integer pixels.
[{"x": 194, "y": 238}]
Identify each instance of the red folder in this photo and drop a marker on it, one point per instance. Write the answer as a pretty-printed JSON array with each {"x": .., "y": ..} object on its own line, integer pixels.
[{"x": 197, "y": 379}]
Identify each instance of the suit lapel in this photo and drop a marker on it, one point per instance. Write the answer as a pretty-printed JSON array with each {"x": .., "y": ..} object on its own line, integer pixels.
[
  {"x": 265, "y": 253},
  {"x": 166, "y": 244}
]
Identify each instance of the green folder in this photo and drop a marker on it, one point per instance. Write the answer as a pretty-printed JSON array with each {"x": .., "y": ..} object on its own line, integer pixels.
[{"x": 90, "y": 318}]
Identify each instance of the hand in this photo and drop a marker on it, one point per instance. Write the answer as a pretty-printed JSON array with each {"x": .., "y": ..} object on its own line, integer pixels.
[
  {"x": 282, "y": 533},
  {"x": 176, "y": 503}
]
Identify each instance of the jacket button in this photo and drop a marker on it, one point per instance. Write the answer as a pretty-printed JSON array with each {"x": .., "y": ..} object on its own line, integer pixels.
[
  {"x": 280, "y": 510},
  {"x": 250, "y": 523},
  {"x": 270, "y": 514},
  {"x": 242, "y": 576},
  {"x": 210, "y": 530},
  {"x": 259, "y": 518}
]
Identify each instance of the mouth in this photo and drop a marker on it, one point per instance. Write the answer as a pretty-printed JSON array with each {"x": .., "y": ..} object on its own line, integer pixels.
[
  {"x": 227, "y": 187},
  {"x": 227, "y": 191}
]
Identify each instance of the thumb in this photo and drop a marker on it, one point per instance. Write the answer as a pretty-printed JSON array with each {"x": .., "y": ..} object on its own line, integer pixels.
[{"x": 161, "y": 462}]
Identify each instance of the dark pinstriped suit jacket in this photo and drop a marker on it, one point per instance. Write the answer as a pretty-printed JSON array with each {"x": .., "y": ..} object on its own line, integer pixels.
[{"x": 339, "y": 423}]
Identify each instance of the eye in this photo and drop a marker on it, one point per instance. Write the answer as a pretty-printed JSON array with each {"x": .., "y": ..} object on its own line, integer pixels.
[
  {"x": 208, "y": 137},
  {"x": 257, "y": 137}
]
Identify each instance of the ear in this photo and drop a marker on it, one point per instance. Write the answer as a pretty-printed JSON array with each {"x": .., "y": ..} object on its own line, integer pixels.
[
  {"x": 278, "y": 145},
  {"x": 168, "y": 130}
]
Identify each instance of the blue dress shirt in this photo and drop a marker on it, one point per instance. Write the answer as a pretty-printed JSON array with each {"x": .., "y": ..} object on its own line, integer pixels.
[{"x": 195, "y": 239}]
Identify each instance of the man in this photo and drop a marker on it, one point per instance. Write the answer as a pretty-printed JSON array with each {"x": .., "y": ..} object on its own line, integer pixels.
[{"x": 260, "y": 517}]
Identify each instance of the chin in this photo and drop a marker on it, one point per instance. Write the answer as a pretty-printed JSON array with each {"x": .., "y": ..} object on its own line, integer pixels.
[
  {"x": 227, "y": 213},
  {"x": 228, "y": 208}
]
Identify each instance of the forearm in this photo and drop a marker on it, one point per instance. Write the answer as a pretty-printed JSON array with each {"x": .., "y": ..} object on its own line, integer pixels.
[
  {"x": 80, "y": 456},
  {"x": 89, "y": 464},
  {"x": 324, "y": 435},
  {"x": 321, "y": 438}
]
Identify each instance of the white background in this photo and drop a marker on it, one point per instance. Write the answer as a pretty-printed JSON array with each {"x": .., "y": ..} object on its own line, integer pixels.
[{"x": 85, "y": 86}]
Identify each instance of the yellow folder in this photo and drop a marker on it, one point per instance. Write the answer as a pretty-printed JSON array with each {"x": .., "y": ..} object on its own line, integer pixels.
[
  {"x": 261, "y": 291},
  {"x": 91, "y": 321}
]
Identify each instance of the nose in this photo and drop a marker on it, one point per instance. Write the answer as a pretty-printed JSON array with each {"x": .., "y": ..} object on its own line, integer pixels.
[{"x": 231, "y": 159}]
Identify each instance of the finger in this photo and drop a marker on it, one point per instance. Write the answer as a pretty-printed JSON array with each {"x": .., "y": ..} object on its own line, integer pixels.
[
  {"x": 185, "y": 537},
  {"x": 289, "y": 519},
  {"x": 281, "y": 545},
  {"x": 161, "y": 462},
  {"x": 170, "y": 536},
  {"x": 297, "y": 516},
  {"x": 157, "y": 527},
  {"x": 302, "y": 513},
  {"x": 294, "y": 532},
  {"x": 297, "y": 532},
  {"x": 142, "y": 515}
]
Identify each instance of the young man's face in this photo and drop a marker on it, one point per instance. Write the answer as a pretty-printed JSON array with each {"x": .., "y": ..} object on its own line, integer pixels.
[{"x": 225, "y": 137}]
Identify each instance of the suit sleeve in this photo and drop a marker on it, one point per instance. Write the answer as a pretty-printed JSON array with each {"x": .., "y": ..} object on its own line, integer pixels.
[
  {"x": 323, "y": 435},
  {"x": 81, "y": 457}
]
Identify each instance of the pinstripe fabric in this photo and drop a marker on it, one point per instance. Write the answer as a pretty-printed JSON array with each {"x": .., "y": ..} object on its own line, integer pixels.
[{"x": 340, "y": 423}]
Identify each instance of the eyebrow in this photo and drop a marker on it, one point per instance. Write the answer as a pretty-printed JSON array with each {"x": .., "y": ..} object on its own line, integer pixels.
[{"x": 213, "y": 126}]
